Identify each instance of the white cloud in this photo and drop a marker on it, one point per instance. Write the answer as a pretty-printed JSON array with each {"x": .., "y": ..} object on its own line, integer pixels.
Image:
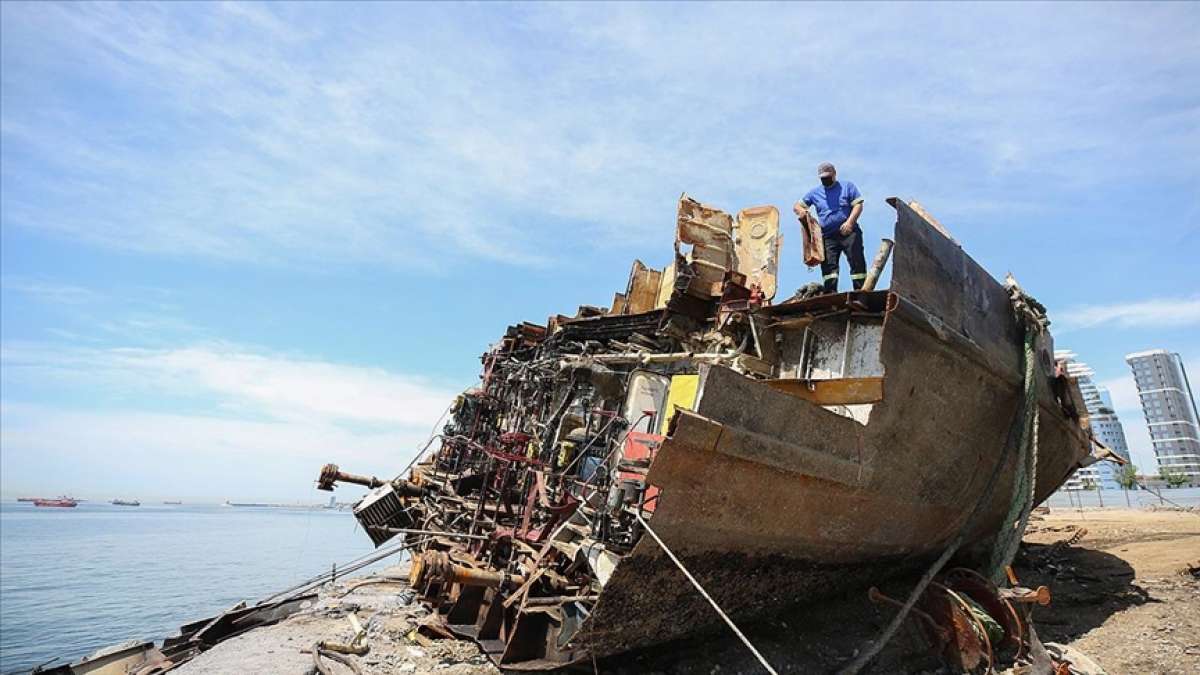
[
  {"x": 1153, "y": 313},
  {"x": 265, "y": 419},
  {"x": 236, "y": 378},
  {"x": 109, "y": 453},
  {"x": 406, "y": 135}
]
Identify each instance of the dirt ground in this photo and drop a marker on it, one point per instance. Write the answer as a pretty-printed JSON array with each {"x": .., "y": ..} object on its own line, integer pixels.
[{"x": 1121, "y": 593}]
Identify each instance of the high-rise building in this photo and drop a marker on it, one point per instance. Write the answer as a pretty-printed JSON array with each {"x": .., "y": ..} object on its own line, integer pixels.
[
  {"x": 1170, "y": 410},
  {"x": 1106, "y": 427}
]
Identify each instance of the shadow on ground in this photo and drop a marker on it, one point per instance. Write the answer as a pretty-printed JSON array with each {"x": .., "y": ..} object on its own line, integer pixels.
[{"x": 1087, "y": 587}]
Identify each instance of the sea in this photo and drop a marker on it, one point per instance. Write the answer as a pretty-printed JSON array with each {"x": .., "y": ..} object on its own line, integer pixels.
[{"x": 75, "y": 580}]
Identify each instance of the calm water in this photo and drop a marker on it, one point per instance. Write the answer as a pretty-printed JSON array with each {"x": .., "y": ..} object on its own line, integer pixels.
[{"x": 74, "y": 580}]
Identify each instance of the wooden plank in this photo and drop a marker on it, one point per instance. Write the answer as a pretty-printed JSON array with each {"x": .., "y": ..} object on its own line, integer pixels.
[{"x": 841, "y": 391}]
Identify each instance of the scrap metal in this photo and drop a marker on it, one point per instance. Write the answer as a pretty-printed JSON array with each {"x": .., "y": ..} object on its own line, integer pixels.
[{"x": 782, "y": 451}]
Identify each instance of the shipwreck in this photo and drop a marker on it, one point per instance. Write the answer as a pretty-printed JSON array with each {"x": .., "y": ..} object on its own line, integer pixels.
[{"x": 780, "y": 451}]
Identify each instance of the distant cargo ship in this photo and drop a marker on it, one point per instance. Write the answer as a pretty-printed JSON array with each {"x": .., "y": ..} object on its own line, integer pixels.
[
  {"x": 61, "y": 502},
  {"x": 125, "y": 502},
  {"x": 173, "y": 503}
]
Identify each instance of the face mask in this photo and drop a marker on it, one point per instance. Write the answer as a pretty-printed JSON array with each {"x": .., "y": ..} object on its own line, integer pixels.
[{"x": 827, "y": 181}]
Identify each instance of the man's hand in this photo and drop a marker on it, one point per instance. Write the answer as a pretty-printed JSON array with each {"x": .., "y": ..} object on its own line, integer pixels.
[
  {"x": 800, "y": 208},
  {"x": 848, "y": 226}
]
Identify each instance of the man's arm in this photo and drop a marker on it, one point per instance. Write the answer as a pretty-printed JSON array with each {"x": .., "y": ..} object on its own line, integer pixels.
[
  {"x": 856, "y": 206},
  {"x": 848, "y": 226},
  {"x": 802, "y": 204}
]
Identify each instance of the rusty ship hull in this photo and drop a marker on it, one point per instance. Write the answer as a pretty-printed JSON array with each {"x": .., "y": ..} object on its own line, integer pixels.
[{"x": 803, "y": 448}]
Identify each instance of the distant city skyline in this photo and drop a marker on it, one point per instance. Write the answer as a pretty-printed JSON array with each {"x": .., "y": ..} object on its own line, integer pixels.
[{"x": 1169, "y": 409}]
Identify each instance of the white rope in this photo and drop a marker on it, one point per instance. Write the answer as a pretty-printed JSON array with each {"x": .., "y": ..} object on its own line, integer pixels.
[{"x": 707, "y": 597}]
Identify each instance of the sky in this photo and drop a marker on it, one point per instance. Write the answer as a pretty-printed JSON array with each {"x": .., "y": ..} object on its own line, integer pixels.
[{"x": 238, "y": 241}]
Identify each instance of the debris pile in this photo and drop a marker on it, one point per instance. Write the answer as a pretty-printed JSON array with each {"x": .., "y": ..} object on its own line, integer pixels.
[{"x": 774, "y": 452}]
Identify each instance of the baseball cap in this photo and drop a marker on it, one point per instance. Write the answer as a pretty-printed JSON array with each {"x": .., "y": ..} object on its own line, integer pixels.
[{"x": 825, "y": 169}]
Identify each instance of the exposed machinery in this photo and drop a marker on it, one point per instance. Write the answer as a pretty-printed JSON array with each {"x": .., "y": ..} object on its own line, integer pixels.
[{"x": 781, "y": 450}]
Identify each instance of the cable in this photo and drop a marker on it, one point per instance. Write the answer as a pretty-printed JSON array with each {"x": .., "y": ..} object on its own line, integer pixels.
[
  {"x": 715, "y": 606},
  {"x": 1024, "y": 419},
  {"x": 347, "y": 568},
  {"x": 1159, "y": 495},
  {"x": 433, "y": 434}
]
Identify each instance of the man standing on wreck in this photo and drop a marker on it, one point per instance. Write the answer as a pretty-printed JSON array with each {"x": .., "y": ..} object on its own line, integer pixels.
[{"x": 838, "y": 207}]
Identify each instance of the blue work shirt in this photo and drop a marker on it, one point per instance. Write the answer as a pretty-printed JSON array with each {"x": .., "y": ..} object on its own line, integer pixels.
[{"x": 833, "y": 204}]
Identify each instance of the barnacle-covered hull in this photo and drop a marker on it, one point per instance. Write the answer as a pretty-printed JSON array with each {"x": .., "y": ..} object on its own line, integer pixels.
[{"x": 783, "y": 452}]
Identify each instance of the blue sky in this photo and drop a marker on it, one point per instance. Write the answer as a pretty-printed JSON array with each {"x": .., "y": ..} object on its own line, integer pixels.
[{"x": 239, "y": 241}]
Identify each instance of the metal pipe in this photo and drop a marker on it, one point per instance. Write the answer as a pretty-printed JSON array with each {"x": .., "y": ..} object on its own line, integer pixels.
[
  {"x": 881, "y": 258},
  {"x": 1040, "y": 595},
  {"x": 644, "y": 358},
  {"x": 330, "y": 475},
  {"x": 560, "y": 599},
  {"x": 436, "y": 533},
  {"x": 468, "y": 576},
  {"x": 846, "y": 344}
]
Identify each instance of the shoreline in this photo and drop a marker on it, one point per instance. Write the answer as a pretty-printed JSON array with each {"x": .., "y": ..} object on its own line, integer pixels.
[{"x": 1121, "y": 594}]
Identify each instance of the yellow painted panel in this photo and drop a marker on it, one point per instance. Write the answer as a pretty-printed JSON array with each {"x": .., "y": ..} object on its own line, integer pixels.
[
  {"x": 666, "y": 286},
  {"x": 681, "y": 395}
]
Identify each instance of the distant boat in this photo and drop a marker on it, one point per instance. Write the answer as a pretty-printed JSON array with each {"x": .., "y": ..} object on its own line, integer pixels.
[
  {"x": 28, "y": 499},
  {"x": 126, "y": 502},
  {"x": 61, "y": 502},
  {"x": 173, "y": 503},
  {"x": 254, "y": 504}
]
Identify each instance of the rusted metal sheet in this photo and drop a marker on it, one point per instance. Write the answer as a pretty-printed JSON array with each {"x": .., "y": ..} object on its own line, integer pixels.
[
  {"x": 757, "y": 247},
  {"x": 642, "y": 292},
  {"x": 620, "y": 304},
  {"x": 118, "y": 660},
  {"x": 932, "y": 272},
  {"x": 842, "y": 391},
  {"x": 812, "y": 242},
  {"x": 710, "y": 232}
]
